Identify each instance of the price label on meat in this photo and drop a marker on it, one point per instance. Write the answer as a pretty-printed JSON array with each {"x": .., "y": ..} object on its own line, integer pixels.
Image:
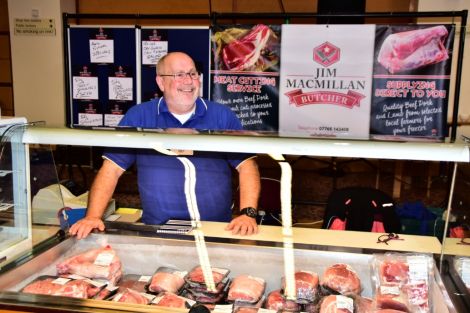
[
  {"x": 104, "y": 259},
  {"x": 418, "y": 268},
  {"x": 344, "y": 303},
  {"x": 389, "y": 290}
]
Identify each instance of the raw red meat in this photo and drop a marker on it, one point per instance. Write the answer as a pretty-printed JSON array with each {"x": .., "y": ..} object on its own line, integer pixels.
[
  {"x": 243, "y": 53},
  {"x": 413, "y": 49},
  {"x": 394, "y": 271},
  {"x": 197, "y": 276},
  {"x": 72, "y": 288},
  {"x": 342, "y": 279},
  {"x": 363, "y": 305},
  {"x": 163, "y": 281},
  {"x": 388, "y": 311},
  {"x": 337, "y": 304},
  {"x": 87, "y": 265},
  {"x": 170, "y": 300},
  {"x": 391, "y": 297},
  {"x": 131, "y": 296},
  {"x": 246, "y": 288},
  {"x": 276, "y": 301},
  {"x": 306, "y": 285}
]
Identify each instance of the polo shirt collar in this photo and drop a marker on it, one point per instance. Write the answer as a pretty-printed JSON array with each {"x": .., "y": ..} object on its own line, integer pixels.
[{"x": 201, "y": 106}]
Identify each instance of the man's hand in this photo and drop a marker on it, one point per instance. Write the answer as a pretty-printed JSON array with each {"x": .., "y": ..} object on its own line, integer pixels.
[
  {"x": 243, "y": 225},
  {"x": 84, "y": 226}
]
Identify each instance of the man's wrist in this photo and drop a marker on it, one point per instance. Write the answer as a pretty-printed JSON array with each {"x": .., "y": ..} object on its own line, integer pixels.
[{"x": 249, "y": 211}]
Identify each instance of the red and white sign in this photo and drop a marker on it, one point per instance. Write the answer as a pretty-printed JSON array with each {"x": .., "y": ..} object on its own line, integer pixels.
[{"x": 326, "y": 79}]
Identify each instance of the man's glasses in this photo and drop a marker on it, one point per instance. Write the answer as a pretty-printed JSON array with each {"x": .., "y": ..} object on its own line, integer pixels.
[
  {"x": 385, "y": 238},
  {"x": 182, "y": 76}
]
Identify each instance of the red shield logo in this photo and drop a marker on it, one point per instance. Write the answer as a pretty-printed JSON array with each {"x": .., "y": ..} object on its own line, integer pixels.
[{"x": 326, "y": 54}]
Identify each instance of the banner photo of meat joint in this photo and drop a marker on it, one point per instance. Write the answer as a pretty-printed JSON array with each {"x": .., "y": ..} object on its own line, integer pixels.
[
  {"x": 326, "y": 80},
  {"x": 245, "y": 73},
  {"x": 412, "y": 67}
]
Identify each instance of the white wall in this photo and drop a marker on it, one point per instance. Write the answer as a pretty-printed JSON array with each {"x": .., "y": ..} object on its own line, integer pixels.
[
  {"x": 38, "y": 63},
  {"x": 451, "y": 5}
]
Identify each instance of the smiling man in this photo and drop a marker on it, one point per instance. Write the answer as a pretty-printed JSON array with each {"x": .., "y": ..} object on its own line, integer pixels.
[{"x": 192, "y": 185}]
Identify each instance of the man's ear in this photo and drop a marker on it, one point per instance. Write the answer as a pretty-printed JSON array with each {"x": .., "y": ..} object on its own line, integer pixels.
[{"x": 159, "y": 81}]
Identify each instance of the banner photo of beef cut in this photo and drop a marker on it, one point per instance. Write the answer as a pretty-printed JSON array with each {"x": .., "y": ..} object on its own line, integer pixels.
[
  {"x": 245, "y": 73},
  {"x": 412, "y": 67},
  {"x": 326, "y": 80}
]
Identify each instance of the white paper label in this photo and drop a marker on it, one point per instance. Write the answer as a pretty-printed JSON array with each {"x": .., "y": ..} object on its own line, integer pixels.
[
  {"x": 181, "y": 274},
  {"x": 144, "y": 278},
  {"x": 223, "y": 308},
  {"x": 148, "y": 296},
  {"x": 345, "y": 303},
  {"x": 418, "y": 268},
  {"x": 389, "y": 290},
  {"x": 95, "y": 283},
  {"x": 111, "y": 287},
  {"x": 61, "y": 281},
  {"x": 76, "y": 277},
  {"x": 104, "y": 259}
]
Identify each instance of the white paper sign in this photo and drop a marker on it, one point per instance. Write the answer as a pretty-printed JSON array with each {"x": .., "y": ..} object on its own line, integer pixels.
[
  {"x": 85, "y": 87},
  {"x": 101, "y": 51},
  {"x": 120, "y": 88},
  {"x": 112, "y": 119},
  {"x": 152, "y": 51},
  {"x": 86, "y": 119},
  {"x": 326, "y": 80}
]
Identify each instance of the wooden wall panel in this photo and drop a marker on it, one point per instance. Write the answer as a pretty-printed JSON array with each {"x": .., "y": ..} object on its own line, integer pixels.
[{"x": 4, "y": 16}]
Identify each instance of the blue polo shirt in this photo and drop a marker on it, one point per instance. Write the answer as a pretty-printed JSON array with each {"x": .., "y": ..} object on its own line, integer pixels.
[{"x": 169, "y": 186}]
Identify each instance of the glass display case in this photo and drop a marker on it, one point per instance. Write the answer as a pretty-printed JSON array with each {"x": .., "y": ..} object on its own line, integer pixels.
[
  {"x": 274, "y": 253},
  {"x": 15, "y": 212}
]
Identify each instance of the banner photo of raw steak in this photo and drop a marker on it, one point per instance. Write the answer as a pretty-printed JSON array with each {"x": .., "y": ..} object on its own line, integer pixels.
[
  {"x": 412, "y": 66},
  {"x": 326, "y": 80},
  {"x": 245, "y": 73}
]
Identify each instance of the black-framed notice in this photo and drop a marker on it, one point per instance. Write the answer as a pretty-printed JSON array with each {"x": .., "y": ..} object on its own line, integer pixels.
[{"x": 102, "y": 74}]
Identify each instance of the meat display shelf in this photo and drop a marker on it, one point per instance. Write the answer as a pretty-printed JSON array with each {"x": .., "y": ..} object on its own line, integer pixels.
[{"x": 142, "y": 255}]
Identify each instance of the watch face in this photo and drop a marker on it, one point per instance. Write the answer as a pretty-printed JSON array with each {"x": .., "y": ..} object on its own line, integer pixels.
[{"x": 251, "y": 212}]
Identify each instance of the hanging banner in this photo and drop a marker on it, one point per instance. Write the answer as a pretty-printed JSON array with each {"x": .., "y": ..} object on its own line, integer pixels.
[
  {"x": 245, "y": 73},
  {"x": 326, "y": 80},
  {"x": 412, "y": 67}
]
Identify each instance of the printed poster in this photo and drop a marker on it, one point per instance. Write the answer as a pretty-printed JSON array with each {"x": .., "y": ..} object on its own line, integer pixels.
[
  {"x": 245, "y": 73},
  {"x": 412, "y": 65},
  {"x": 326, "y": 80}
]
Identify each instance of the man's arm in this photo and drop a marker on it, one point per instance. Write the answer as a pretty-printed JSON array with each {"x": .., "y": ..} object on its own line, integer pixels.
[
  {"x": 100, "y": 193},
  {"x": 250, "y": 187}
]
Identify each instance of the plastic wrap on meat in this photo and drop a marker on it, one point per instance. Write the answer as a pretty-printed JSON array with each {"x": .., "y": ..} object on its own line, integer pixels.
[
  {"x": 170, "y": 300},
  {"x": 243, "y": 53},
  {"x": 246, "y": 288},
  {"x": 165, "y": 281},
  {"x": 197, "y": 276},
  {"x": 306, "y": 286},
  {"x": 413, "y": 49},
  {"x": 131, "y": 296},
  {"x": 337, "y": 304},
  {"x": 276, "y": 301},
  {"x": 363, "y": 305},
  {"x": 102, "y": 263},
  {"x": 341, "y": 278},
  {"x": 394, "y": 271},
  {"x": 70, "y": 288}
]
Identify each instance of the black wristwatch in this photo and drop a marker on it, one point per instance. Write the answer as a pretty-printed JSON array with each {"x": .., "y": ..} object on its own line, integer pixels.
[{"x": 249, "y": 211}]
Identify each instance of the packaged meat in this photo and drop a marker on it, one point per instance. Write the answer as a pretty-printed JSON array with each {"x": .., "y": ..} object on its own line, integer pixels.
[
  {"x": 277, "y": 302},
  {"x": 306, "y": 286},
  {"x": 202, "y": 297},
  {"x": 246, "y": 288},
  {"x": 337, "y": 304},
  {"x": 101, "y": 263},
  {"x": 363, "y": 304},
  {"x": 128, "y": 295},
  {"x": 170, "y": 300},
  {"x": 167, "y": 279},
  {"x": 405, "y": 278},
  {"x": 341, "y": 278},
  {"x": 132, "y": 281},
  {"x": 462, "y": 266},
  {"x": 60, "y": 286},
  {"x": 413, "y": 49},
  {"x": 196, "y": 276}
]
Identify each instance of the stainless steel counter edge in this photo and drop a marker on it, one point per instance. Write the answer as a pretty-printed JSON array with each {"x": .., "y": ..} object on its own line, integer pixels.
[{"x": 427, "y": 151}]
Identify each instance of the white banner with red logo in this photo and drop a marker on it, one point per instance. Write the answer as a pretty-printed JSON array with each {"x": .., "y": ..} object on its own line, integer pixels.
[{"x": 326, "y": 79}]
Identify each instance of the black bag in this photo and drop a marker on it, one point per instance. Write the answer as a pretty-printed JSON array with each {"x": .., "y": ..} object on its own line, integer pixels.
[{"x": 361, "y": 209}]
